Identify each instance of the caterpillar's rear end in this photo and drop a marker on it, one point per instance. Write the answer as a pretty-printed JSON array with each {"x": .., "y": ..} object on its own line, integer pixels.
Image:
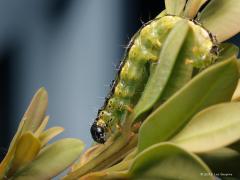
[{"x": 143, "y": 51}]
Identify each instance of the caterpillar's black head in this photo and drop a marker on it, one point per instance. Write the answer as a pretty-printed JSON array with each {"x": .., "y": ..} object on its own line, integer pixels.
[{"x": 98, "y": 133}]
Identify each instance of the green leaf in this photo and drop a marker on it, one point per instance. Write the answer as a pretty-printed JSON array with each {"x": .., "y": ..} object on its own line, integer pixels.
[
  {"x": 221, "y": 17},
  {"x": 213, "y": 85},
  {"x": 228, "y": 50},
  {"x": 5, "y": 163},
  {"x": 236, "y": 95},
  {"x": 182, "y": 71},
  {"x": 31, "y": 120},
  {"x": 175, "y": 7},
  {"x": 212, "y": 128},
  {"x": 192, "y": 8},
  {"x": 52, "y": 160},
  {"x": 50, "y": 133},
  {"x": 159, "y": 78},
  {"x": 102, "y": 175},
  {"x": 41, "y": 127},
  {"x": 36, "y": 110},
  {"x": 224, "y": 160},
  {"x": 167, "y": 161},
  {"x": 27, "y": 149}
]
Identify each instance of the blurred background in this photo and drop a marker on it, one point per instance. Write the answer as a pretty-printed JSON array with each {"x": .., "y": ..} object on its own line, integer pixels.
[{"x": 71, "y": 47}]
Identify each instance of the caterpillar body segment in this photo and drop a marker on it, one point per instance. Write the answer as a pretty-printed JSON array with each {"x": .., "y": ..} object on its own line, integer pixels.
[{"x": 143, "y": 51}]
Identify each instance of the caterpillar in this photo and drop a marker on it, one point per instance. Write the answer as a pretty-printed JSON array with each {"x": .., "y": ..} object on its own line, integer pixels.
[{"x": 134, "y": 70}]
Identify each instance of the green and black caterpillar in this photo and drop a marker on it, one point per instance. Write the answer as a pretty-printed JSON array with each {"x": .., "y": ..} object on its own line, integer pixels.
[{"x": 135, "y": 68}]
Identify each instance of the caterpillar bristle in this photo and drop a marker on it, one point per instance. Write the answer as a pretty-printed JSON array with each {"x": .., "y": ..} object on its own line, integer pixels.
[{"x": 143, "y": 52}]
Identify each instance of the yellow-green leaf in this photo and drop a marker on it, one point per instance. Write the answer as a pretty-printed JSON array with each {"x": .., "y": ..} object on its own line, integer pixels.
[
  {"x": 168, "y": 161},
  {"x": 42, "y": 126},
  {"x": 102, "y": 175},
  {"x": 214, "y": 85},
  {"x": 4, "y": 166},
  {"x": 52, "y": 160},
  {"x": 27, "y": 149},
  {"x": 212, "y": 128},
  {"x": 175, "y": 7},
  {"x": 236, "y": 95},
  {"x": 228, "y": 50},
  {"x": 36, "y": 110},
  {"x": 192, "y": 8},
  {"x": 221, "y": 17},
  {"x": 50, "y": 133},
  {"x": 163, "y": 70}
]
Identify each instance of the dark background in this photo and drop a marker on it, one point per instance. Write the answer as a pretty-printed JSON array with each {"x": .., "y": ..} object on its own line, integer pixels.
[{"x": 40, "y": 46}]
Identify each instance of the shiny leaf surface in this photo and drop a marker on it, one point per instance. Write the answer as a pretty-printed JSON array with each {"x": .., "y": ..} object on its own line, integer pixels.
[
  {"x": 212, "y": 128},
  {"x": 214, "y": 85}
]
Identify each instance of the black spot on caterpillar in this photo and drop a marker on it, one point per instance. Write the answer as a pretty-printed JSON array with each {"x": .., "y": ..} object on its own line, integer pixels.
[{"x": 134, "y": 70}]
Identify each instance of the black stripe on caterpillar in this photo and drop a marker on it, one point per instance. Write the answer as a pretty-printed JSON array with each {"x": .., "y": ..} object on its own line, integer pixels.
[{"x": 144, "y": 49}]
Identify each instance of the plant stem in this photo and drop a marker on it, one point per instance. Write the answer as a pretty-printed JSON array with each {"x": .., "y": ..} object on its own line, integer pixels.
[{"x": 123, "y": 144}]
